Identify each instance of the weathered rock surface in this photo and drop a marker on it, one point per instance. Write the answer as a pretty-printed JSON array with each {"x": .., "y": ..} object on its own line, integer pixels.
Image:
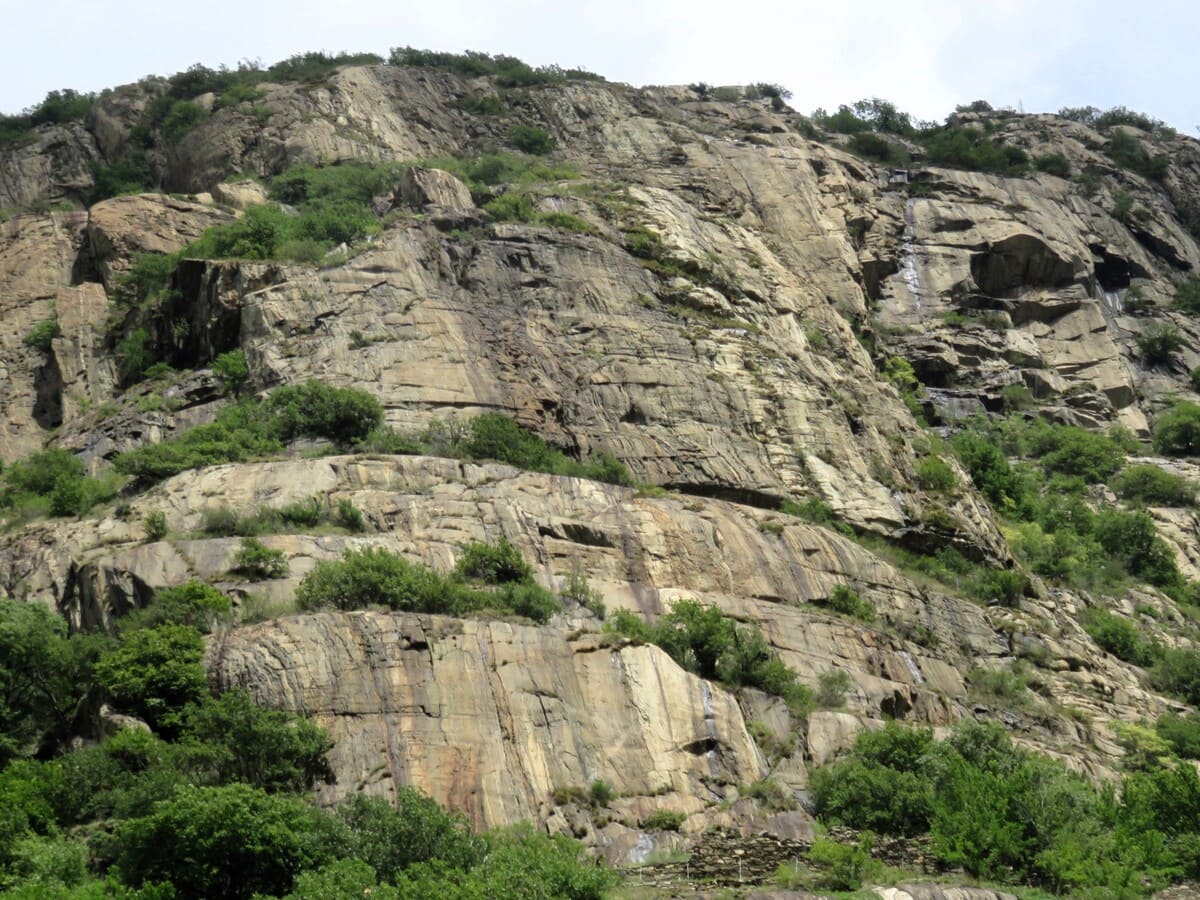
[{"x": 738, "y": 368}]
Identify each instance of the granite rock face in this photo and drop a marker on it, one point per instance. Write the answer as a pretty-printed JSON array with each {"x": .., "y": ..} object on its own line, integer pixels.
[{"x": 700, "y": 291}]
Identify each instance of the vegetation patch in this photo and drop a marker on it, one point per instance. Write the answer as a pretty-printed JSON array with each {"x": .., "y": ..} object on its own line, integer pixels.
[
  {"x": 1011, "y": 815},
  {"x": 704, "y": 640},
  {"x": 488, "y": 578}
]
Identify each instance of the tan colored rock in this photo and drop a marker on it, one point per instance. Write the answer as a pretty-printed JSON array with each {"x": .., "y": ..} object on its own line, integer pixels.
[
  {"x": 489, "y": 717},
  {"x": 420, "y": 187},
  {"x": 239, "y": 194},
  {"x": 144, "y": 223}
]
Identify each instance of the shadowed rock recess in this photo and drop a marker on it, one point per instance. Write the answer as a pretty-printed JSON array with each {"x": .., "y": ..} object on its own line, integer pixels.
[{"x": 782, "y": 341}]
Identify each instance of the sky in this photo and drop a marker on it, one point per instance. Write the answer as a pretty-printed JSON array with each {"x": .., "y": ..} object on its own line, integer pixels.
[{"x": 926, "y": 56}]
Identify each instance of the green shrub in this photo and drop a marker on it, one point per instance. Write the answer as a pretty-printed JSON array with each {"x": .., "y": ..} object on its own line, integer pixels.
[
  {"x": 771, "y": 794},
  {"x": 1187, "y": 294},
  {"x": 880, "y": 149},
  {"x": 41, "y": 336},
  {"x": 1147, "y": 483},
  {"x": 44, "y": 675},
  {"x": 577, "y": 589},
  {"x": 41, "y": 473},
  {"x": 933, "y": 474},
  {"x": 1158, "y": 341},
  {"x": 1132, "y": 538},
  {"x": 882, "y": 787},
  {"x": 969, "y": 147},
  {"x": 155, "y": 673},
  {"x": 256, "y": 561},
  {"x": 313, "y": 409},
  {"x": 249, "y": 430},
  {"x": 76, "y": 496},
  {"x": 1182, "y": 733},
  {"x": 1128, "y": 153},
  {"x": 146, "y": 280},
  {"x": 155, "y": 523},
  {"x": 306, "y": 513},
  {"x": 664, "y": 820},
  {"x": 512, "y": 206},
  {"x": 415, "y": 830},
  {"x": 507, "y": 71},
  {"x": 135, "y": 354},
  {"x": 818, "y": 512},
  {"x": 1003, "y": 586},
  {"x": 1177, "y": 672},
  {"x": 705, "y": 641},
  {"x": 493, "y": 436},
  {"x": 832, "y": 687},
  {"x": 487, "y": 105},
  {"x": 350, "y": 516},
  {"x": 527, "y": 599},
  {"x": 233, "y": 841},
  {"x": 529, "y": 139},
  {"x": 601, "y": 793},
  {"x": 845, "y": 868},
  {"x": 180, "y": 119},
  {"x": 1120, "y": 637},
  {"x": 499, "y": 563},
  {"x": 1005, "y": 813},
  {"x": 371, "y": 576},
  {"x": 1086, "y": 454},
  {"x": 491, "y": 169},
  {"x": 843, "y": 599},
  {"x": 1053, "y": 164},
  {"x": 193, "y": 603},
  {"x": 231, "y": 370},
  {"x": 267, "y": 749},
  {"x": 1177, "y": 431}
]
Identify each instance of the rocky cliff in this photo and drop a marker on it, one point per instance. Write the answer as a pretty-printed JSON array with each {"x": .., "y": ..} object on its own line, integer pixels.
[{"x": 735, "y": 362}]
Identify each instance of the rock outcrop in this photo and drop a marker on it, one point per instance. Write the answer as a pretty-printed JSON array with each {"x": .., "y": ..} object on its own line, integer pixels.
[{"x": 697, "y": 289}]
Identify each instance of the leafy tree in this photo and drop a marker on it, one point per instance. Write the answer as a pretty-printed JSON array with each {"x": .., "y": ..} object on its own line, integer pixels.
[
  {"x": 265, "y": 748},
  {"x": 498, "y": 563},
  {"x": 882, "y": 787},
  {"x": 232, "y": 371},
  {"x": 529, "y": 139},
  {"x": 343, "y": 415},
  {"x": 1177, "y": 431},
  {"x": 43, "y": 677},
  {"x": 233, "y": 841},
  {"x": 155, "y": 673},
  {"x": 1146, "y": 483},
  {"x": 192, "y": 603},
  {"x": 390, "y": 838}
]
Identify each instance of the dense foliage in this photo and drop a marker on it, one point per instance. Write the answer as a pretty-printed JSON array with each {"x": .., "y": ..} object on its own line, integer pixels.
[
  {"x": 1010, "y": 815},
  {"x": 251, "y": 429},
  {"x": 1055, "y": 528},
  {"x": 488, "y": 577}
]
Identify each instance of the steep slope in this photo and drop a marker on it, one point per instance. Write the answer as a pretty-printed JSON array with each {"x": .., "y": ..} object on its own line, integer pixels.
[{"x": 696, "y": 288}]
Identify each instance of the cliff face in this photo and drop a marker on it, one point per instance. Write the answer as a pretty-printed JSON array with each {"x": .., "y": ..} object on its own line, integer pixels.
[{"x": 737, "y": 378}]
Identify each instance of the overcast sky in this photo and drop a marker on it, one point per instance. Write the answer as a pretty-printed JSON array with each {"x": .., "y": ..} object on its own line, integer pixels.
[{"x": 926, "y": 55}]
